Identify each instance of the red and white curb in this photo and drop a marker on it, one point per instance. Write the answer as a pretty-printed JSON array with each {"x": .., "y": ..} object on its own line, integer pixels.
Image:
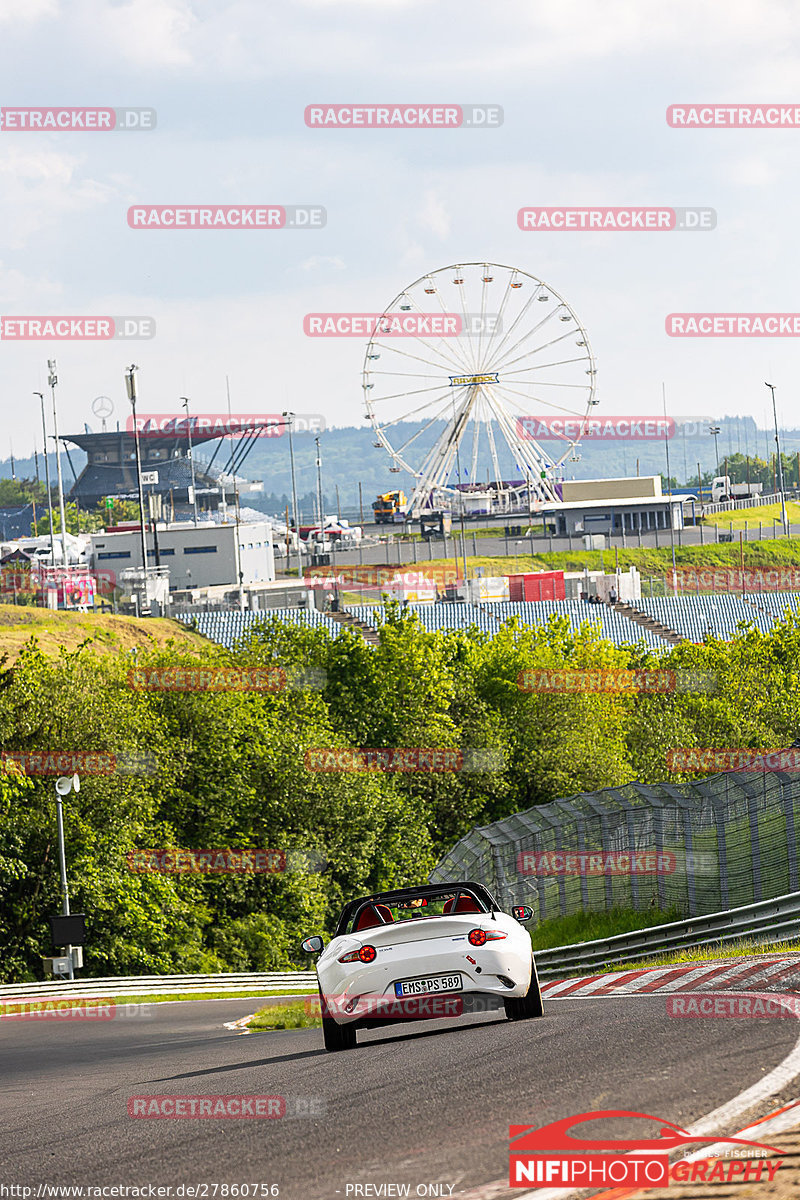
[{"x": 733, "y": 975}]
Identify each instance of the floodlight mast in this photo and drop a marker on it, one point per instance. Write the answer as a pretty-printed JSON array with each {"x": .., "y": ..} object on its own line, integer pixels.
[
  {"x": 784, "y": 518},
  {"x": 52, "y": 380},
  {"x": 185, "y": 401},
  {"x": 130, "y": 384},
  {"x": 290, "y": 427},
  {"x": 47, "y": 477}
]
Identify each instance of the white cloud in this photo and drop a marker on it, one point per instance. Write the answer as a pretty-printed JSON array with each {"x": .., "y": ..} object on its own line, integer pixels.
[
  {"x": 26, "y": 12},
  {"x": 317, "y": 260},
  {"x": 147, "y": 33},
  {"x": 39, "y": 187},
  {"x": 434, "y": 215}
]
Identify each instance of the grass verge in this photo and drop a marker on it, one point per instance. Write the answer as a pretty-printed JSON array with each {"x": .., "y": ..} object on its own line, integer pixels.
[
  {"x": 288, "y": 1016},
  {"x": 587, "y": 926},
  {"x": 18, "y": 1004},
  {"x": 764, "y": 513}
]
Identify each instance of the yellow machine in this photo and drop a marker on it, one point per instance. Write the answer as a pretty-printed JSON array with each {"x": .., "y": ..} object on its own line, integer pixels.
[{"x": 389, "y": 506}]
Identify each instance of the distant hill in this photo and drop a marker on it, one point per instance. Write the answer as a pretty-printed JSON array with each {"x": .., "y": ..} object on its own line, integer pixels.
[{"x": 349, "y": 456}]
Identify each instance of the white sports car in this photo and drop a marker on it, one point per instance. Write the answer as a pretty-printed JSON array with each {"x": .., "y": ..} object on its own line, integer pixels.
[{"x": 438, "y": 950}]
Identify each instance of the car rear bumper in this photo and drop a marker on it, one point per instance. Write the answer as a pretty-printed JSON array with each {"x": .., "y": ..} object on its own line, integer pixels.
[{"x": 368, "y": 994}]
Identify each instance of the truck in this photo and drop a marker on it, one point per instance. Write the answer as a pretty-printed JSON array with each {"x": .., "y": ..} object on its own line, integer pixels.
[
  {"x": 722, "y": 489},
  {"x": 389, "y": 507}
]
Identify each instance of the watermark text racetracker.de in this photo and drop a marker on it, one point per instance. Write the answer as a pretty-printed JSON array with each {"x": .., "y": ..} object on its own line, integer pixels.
[
  {"x": 82, "y": 120},
  {"x": 611, "y": 681},
  {"x": 400, "y": 324},
  {"x": 629, "y": 220},
  {"x": 175, "y": 861},
  {"x": 734, "y": 325},
  {"x": 403, "y": 116},
  {"x": 76, "y": 329},
  {"x": 755, "y": 1005},
  {"x": 380, "y": 578},
  {"x": 546, "y": 863},
  {"x": 226, "y": 679},
  {"x": 391, "y": 1008},
  {"x": 82, "y": 762},
  {"x": 733, "y": 116},
  {"x": 735, "y": 579},
  {"x": 73, "y": 1008},
  {"x": 612, "y": 429},
  {"x": 227, "y": 216},
  {"x": 261, "y": 425},
  {"x": 411, "y": 759},
  {"x": 732, "y": 758}
]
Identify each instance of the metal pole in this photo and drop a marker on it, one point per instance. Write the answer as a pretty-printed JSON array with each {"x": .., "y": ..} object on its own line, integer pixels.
[
  {"x": 130, "y": 381},
  {"x": 52, "y": 380},
  {"x": 714, "y": 431},
  {"x": 185, "y": 400},
  {"x": 361, "y": 514},
  {"x": 237, "y": 550},
  {"x": 62, "y": 863},
  {"x": 319, "y": 489},
  {"x": 47, "y": 477},
  {"x": 669, "y": 489},
  {"x": 290, "y": 425},
  {"x": 784, "y": 518}
]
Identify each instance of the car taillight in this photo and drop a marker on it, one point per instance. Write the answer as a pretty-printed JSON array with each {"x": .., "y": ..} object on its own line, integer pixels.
[
  {"x": 366, "y": 955},
  {"x": 477, "y": 937}
]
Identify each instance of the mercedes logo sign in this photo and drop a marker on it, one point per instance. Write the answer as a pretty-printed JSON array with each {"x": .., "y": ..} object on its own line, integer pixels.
[{"x": 103, "y": 406}]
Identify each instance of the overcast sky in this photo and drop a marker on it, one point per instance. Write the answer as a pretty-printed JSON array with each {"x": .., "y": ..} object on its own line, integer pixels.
[{"x": 584, "y": 85}]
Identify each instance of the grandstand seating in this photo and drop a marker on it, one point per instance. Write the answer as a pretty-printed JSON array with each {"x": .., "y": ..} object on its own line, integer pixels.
[
  {"x": 774, "y": 603},
  {"x": 227, "y": 627},
  {"x": 692, "y": 617}
]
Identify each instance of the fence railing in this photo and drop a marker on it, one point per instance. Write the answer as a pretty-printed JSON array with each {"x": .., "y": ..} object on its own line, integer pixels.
[
  {"x": 776, "y": 920},
  {"x": 748, "y": 502},
  {"x": 153, "y": 985}
]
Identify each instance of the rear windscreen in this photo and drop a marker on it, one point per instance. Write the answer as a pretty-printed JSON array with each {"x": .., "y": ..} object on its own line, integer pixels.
[{"x": 371, "y": 914}]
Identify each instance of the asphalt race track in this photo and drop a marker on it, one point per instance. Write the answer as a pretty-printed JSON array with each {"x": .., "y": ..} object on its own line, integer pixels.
[{"x": 420, "y": 1104}]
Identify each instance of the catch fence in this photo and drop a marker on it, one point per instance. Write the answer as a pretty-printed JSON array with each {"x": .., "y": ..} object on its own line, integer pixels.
[{"x": 699, "y": 847}]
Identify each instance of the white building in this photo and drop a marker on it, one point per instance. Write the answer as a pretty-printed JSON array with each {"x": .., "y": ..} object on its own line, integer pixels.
[{"x": 197, "y": 556}]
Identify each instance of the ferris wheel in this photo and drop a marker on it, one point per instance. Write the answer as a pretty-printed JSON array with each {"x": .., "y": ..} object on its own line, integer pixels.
[{"x": 449, "y": 407}]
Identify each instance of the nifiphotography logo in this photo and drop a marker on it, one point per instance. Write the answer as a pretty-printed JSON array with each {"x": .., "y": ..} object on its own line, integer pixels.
[{"x": 553, "y": 1156}]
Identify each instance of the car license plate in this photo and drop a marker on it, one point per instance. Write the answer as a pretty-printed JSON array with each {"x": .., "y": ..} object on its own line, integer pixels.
[{"x": 424, "y": 987}]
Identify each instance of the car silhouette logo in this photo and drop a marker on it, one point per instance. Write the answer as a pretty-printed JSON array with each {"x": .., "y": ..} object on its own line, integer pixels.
[{"x": 528, "y": 1139}]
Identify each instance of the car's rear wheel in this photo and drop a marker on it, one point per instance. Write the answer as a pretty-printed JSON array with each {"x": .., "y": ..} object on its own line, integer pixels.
[
  {"x": 530, "y": 1005},
  {"x": 336, "y": 1037}
]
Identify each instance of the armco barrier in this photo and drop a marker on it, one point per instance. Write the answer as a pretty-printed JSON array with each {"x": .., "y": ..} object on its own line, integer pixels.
[
  {"x": 776, "y": 920},
  {"x": 144, "y": 985}
]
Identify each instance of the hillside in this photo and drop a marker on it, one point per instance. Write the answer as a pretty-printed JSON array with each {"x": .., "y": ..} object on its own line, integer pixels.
[{"x": 110, "y": 634}]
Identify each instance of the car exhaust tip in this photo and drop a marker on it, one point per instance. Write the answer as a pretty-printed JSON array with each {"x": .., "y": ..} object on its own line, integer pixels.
[{"x": 506, "y": 982}]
